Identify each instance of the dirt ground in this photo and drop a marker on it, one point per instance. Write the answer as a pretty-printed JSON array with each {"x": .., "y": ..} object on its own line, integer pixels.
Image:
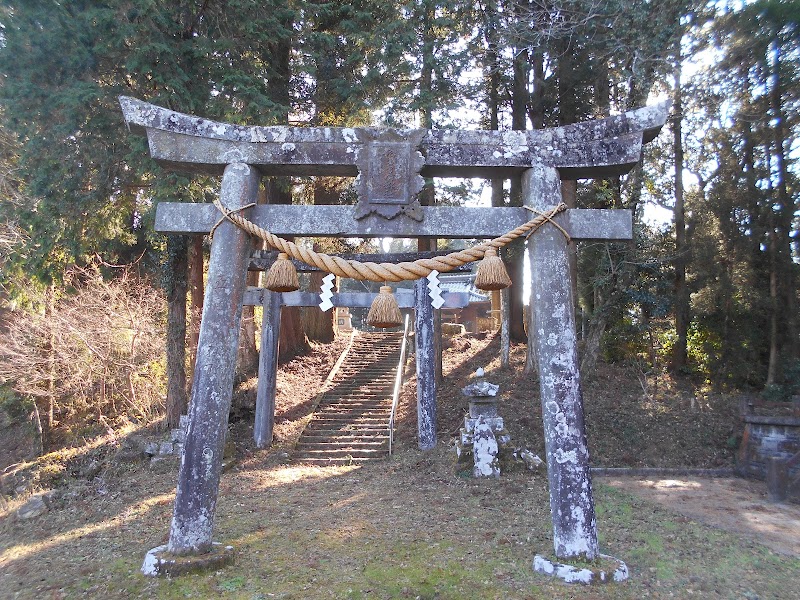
[
  {"x": 732, "y": 504},
  {"x": 412, "y": 526},
  {"x": 408, "y": 528}
]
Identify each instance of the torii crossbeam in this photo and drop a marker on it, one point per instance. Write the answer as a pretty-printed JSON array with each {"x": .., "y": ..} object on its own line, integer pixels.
[{"x": 390, "y": 166}]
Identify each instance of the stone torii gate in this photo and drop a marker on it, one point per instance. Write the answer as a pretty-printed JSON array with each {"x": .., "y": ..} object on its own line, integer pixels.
[{"x": 390, "y": 166}]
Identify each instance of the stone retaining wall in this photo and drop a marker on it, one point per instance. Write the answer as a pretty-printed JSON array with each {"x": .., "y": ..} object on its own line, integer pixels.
[{"x": 766, "y": 437}]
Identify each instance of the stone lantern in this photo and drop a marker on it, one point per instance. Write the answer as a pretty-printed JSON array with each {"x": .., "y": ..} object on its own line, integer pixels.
[{"x": 483, "y": 436}]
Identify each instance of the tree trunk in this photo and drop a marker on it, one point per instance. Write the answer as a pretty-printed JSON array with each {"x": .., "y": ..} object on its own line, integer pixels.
[
  {"x": 37, "y": 422},
  {"x": 493, "y": 80},
  {"x": 279, "y": 189},
  {"x": 569, "y": 196},
  {"x": 427, "y": 197},
  {"x": 176, "y": 288},
  {"x": 500, "y": 300},
  {"x": 514, "y": 253},
  {"x": 45, "y": 430},
  {"x": 515, "y": 263},
  {"x": 292, "y": 340},
  {"x": 772, "y": 250},
  {"x": 679, "y": 353},
  {"x": 536, "y": 97},
  {"x": 247, "y": 357},
  {"x": 196, "y": 296},
  {"x": 568, "y": 114},
  {"x": 774, "y": 346},
  {"x": 318, "y": 325},
  {"x": 604, "y": 300},
  {"x": 786, "y": 214},
  {"x": 591, "y": 353}
]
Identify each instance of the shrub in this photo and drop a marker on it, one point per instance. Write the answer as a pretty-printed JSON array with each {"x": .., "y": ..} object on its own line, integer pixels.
[{"x": 96, "y": 351}]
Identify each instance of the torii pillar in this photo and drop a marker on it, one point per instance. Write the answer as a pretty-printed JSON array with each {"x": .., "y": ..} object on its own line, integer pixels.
[
  {"x": 551, "y": 331},
  {"x": 201, "y": 464}
]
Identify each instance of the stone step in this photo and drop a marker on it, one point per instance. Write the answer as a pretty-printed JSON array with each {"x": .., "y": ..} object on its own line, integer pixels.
[
  {"x": 340, "y": 442},
  {"x": 364, "y": 389},
  {"x": 366, "y": 410},
  {"x": 351, "y": 421},
  {"x": 335, "y": 445},
  {"x": 339, "y": 420},
  {"x": 346, "y": 411},
  {"x": 336, "y": 421},
  {"x": 359, "y": 391},
  {"x": 356, "y": 453},
  {"x": 322, "y": 435},
  {"x": 362, "y": 383},
  {"x": 335, "y": 462},
  {"x": 343, "y": 415},
  {"x": 365, "y": 427},
  {"x": 378, "y": 347},
  {"x": 375, "y": 402},
  {"x": 365, "y": 413},
  {"x": 366, "y": 383},
  {"x": 364, "y": 372},
  {"x": 339, "y": 412},
  {"x": 346, "y": 434},
  {"x": 367, "y": 364},
  {"x": 358, "y": 396},
  {"x": 370, "y": 361},
  {"x": 359, "y": 378},
  {"x": 380, "y": 414},
  {"x": 362, "y": 399},
  {"x": 383, "y": 403},
  {"x": 353, "y": 453}
]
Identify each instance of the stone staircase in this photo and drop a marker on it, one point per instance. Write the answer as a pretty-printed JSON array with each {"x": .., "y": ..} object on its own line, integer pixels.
[{"x": 351, "y": 422}]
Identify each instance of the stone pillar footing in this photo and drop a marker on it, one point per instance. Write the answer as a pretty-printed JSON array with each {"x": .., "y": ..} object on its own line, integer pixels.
[
  {"x": 608, "y": 569},
  {"x": 160, "y": 563}
]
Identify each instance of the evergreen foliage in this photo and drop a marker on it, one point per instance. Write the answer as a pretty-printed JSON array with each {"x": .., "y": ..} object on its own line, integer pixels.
[{"x": 75, "y": 185}]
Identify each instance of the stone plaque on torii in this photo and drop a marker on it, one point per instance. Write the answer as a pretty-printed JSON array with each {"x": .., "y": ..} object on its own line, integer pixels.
[{"x": 387, "y": 208}]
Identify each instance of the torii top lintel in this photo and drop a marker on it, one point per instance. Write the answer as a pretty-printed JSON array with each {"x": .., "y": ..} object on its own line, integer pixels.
[
  {"x": 391, "y": 164},
  {"x": 599, "y": 148}
]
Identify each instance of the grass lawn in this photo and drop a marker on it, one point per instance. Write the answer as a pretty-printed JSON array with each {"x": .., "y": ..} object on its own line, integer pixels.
[{"x": 406, "y": 528}]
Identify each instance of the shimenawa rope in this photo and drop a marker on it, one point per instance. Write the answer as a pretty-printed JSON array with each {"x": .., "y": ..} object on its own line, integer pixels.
[{"x": 384, "y": 272}]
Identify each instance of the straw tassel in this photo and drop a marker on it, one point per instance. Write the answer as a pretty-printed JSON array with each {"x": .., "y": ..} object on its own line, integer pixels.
[
  {"x": 384, "y": 312},
  {"x": 282, "y": 276},
  {"x": 492, "y": 274}
]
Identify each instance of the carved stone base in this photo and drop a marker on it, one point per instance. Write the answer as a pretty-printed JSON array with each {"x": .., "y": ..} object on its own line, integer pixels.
[
  {"x": 160, "y": 563},
  {"x": 610, "y": 569}
]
